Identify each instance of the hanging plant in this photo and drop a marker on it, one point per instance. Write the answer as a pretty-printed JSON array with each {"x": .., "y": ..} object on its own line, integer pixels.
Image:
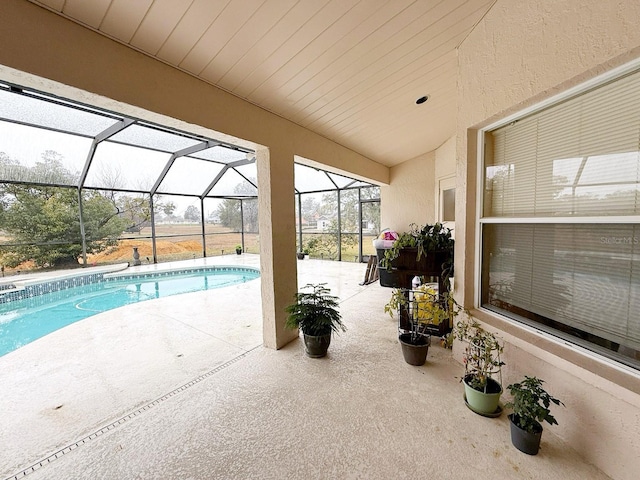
[{"x": 427, "y": 239}]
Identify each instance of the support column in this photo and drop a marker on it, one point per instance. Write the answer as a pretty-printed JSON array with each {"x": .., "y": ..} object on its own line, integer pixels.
[{"x": 278, "y": 269}]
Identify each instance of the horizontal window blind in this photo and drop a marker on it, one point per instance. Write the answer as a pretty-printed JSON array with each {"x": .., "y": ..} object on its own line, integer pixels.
[
  {"x": 583, "y": 276},
  {"x": 576, "y": 277},
  {"x": 578, "y": 158}
]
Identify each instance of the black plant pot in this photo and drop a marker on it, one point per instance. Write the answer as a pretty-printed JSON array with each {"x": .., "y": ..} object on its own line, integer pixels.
[
  {"x": 300, "y": 256},
  {"x": 524, "y": 441},
  {"x": 414, "y": 352},
  {"x": 316, "y": 347}
]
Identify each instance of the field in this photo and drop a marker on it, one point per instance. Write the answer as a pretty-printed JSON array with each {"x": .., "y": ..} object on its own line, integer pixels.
[
  {"x": 176, "y": 242},
  {"x": 173, "y": 242},
  {"x": 183, "y": 241}
]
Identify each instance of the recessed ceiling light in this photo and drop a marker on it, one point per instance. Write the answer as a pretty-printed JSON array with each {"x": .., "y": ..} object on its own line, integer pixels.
[{"x": 421, "y": 100}]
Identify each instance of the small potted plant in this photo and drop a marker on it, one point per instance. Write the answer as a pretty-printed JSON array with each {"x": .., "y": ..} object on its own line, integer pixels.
[
  {"x": 421, "y": 311},
  {"x": 530, "y": 406},
  {"x": 302, "y": 253},
  {"x": 316, "y": 314},
  {"x": 481, "y": 362},
  {"x": 239, "y": 249}
]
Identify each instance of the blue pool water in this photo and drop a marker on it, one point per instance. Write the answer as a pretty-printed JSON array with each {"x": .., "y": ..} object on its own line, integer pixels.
[{"x": 26, "y": 320}]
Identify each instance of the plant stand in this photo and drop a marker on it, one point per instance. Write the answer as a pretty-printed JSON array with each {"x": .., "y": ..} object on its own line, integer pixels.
[
  {"x": 414, "y": 336},
  {"x": 405, "y": 321},
  {"x": 406, "y": 266}
]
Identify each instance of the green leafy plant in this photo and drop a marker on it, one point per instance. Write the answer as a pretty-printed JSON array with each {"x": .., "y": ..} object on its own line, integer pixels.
[
  {"x": 531, "y": 404},
  {"x": 428, "y": 238},
  {"x": 481, "y": 356},
  {"x": 315, "y": 313},
  {"x": 424, "y": 306}
]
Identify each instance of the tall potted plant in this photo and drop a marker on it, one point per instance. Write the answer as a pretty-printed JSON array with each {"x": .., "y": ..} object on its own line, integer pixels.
[
  {"x": 530, "y": 406},
  {"x": 316, "y": 314},
  {"x": 482, "y": 362},
  {"x": 420, "y": 312}
]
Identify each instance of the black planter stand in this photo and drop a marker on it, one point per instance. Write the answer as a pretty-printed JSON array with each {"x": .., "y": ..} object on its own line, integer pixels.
[
  {"x": 524, "y": 441},
  {"x": 406, "y": 266}
]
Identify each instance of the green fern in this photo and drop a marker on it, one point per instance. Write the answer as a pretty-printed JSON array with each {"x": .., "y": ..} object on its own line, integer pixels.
[{"x": 315, "y": 313}]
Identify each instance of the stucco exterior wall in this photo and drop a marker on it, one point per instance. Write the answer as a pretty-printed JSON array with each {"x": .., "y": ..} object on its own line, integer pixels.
[
  {"x": 410, "y": 196},
  {"x": 522, "y": 52},
  {"x": 446, "y": 159}
]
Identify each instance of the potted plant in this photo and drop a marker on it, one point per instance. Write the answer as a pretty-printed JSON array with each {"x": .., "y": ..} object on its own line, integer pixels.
[
  {"x": 238, "y": 249},
  {"x": 423, "y": 251},
  {"x": 482, "y": 362},
  {"x": 304, "y": 251},
  {"x": 530, "y": 406},
  {"x": 420, "y": 311},
  {"x": 316, "y": 314}
]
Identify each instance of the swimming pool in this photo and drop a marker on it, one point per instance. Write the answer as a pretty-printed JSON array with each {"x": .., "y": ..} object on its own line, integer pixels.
[{"x": 41, "y": 309}]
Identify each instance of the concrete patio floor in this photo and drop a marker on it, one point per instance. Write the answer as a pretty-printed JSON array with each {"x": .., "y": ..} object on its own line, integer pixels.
[{"x": 181, "y": 388}]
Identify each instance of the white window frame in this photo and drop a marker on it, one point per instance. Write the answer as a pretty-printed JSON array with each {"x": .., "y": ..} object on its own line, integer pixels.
[
  {"x": 480, "y": 220},
  {"x": 444, "y": 183}
]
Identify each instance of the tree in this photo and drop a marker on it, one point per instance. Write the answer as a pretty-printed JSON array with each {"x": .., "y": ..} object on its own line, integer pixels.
[
  {"x": 192, "y": 213},
  {"x": 135, "y": 208},
  {"x": 250, "y": 212},
  {"x": 49, "y": 169},
  {"x": 310, "y": 210},
  {"x": 43, "y": 224},
  {"x": 349, "y": 211},
  {"x": 327, "y": 243},
  {"x": 228, "y": 212},
  {"x": 135, "y": 211},
  {"x": 371, "y": 210},
  {"x": 168, "y": 208}
]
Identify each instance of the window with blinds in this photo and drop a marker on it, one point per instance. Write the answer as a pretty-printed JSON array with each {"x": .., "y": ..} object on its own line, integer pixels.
[{"x": 560, "y": 219}]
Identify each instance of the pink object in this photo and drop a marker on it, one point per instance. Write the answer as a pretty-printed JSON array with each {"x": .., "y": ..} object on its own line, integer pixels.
[{"x": 389, "y": 235}]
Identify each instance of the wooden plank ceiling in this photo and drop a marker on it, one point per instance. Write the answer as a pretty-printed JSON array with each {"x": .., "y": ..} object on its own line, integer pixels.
[{"x": 350, "y": 70}]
